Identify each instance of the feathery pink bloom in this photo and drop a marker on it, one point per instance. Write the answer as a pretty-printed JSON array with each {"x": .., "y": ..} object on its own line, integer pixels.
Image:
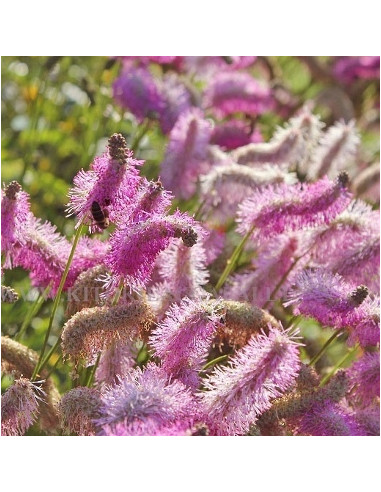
[
  {"x": 213, "y": 244},
  {"x": 234, "y": 133},
  {"x": 276, "y": 209},
  {"x": 334, "y": 302},
  {"x": 289, "y": 145},
  {"x": 336, "y": 150},
  {"x": 111, "y": 182},
  {"x": 116, "y": 362},
  {"x": 78, "y": 408},
  {"x": 272, "y": 261},
  {"x": 349, "y": 68},
  {"x": 232, "y": 92},
  {"x": 142, "y": 398},
  {"x": 183, "y": 339},
  {"x": 134, "y": 248},
  {"x": 19, "y": 407},
  {"x": 369, "y": 419},
  {"x": 185, "y": 155},
  {"x": 238, "y": 393},
  {"x": 136, "y": 90},
  {"x": 364, "y": 379},
  {"x": 176, "y": 100},
  {"x": 328, "y": 420}
]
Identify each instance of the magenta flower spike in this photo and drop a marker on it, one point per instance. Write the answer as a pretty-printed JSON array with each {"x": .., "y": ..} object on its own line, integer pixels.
[
  {"x": 185, "y": 155},
  {"x": 233, "y": 92},
  {"x": 116, "y": 362},
  {"x": 19, "y": 407},
  {"x": 134, "y": 248},
  {"x": 350, "y": 68},
  {"x": 336, "y": 150},
  {"x": 281, "y": 208},
  {"x": 183, "y": 339},
  {"x": 142, "y": 399},
  {"x": 364, "y": 380},
  {"x": 259, "y": 372},
  {"x": 136, "y": 90},
  {"x": 176, "y": 100},
  {"x": 233, "y": 134},
  {"x": 110, "y": 183}
]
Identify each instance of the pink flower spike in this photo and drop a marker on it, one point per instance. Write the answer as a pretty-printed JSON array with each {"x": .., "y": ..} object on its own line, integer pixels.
[
  {"x": 176, "y": 100},
  {"x": 136, "y": 90},
  {"x": 232, "y": 134},
  {"x": 276, "y": 209},
  {"x": 134, "y": 248},
  {"x": 259, "y": 372},
  {"x": 364, "y": 379},
  {"x": 350, "y": 68},
  {"x": 144, "y": 397},
  {"x": 110, "y": 183},
  {"x": 232, "y": 92},
  {"x": 185, "y": 155},
  {"x": 183, "y": 339}
]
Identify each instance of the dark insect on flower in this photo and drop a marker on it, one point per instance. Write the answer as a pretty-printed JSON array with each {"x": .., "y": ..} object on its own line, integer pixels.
[{"x": 100, "y": 216}]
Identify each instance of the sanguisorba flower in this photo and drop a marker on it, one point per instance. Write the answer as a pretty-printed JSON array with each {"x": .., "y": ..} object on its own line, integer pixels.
[
  {"x": 111, "y": 182},
  {"x": 19, "y": 407},
  {"x": 234, "y": 133},
  {"x": 275, "y": 209},
  {"x": 364, "y": 380},
  {"x": 136, "y": 90},
  {"x": 185, "y": 155},
  {"x": 232, "y": 92},
  {"x": 144, "y": 398},
  {"x": 183, "y": 339},
  {"x": 176, "y": 100},
  {"x": 262, "y": 370},
  {"x": 134, "y": 248},
  {"x": 78, "y": 408},
  {"x": 349, "y": 68}
]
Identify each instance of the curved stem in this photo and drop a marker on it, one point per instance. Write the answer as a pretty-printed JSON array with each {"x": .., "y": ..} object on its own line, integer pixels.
[
  {"x": 57, "y": 300},
  {"x": 325, "y": 346},
  {"x": 338, "y": 365},
  {"x": 140, "y": 134},
  {"x": 214, "y": 361},
  {"x": 230, "y": 264}
]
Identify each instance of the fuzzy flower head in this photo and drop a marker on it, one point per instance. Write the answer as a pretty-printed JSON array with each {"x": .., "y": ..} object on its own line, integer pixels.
[
  {"x": 185, "y": 156},
  {"x": 232, "y": 92},
  {"x": 176, "y": 100},
  {"x": 281, "y": 208},
  {"x": 143, "y": 397},
  {"x": 134, "y": 248},
  {"x": 78, "y": 408},
  {"x": 111, "y": 181},
  {"x": 116, "y": 361},
  {"x": 364, "y": 379},
  {"x": 183, "y": 339},
  {"x": 136, "y": 90},
  {"x": 259, "y": 372},
  {"x": 350, "y": 68},
  {"x": 19, "y": 407},
  {"x": 233, "y": 134}
]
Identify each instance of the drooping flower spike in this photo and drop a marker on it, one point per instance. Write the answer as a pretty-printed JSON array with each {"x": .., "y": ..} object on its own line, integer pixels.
[
  {"x": 78, "y": 408},
  {"x": 364, "y": 380}
]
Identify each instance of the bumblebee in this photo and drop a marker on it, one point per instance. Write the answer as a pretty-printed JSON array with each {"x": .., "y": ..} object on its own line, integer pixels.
[{"x": 100, "y": 216}]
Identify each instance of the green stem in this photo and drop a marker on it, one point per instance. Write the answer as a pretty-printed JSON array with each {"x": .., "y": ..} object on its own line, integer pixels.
[
  {"x": 280, "y": 283},
  {"x": 34, "y": 309},
  {"x": 54, "y": 367},
  {"x": 140, "y": 134},
  {"x": 49, "y": 354},
  {"x": 328, "y": 376},
  {"x": 214, "y": 361},
  {"x": 230, "y": 264},
  {"x": 325, "y": 346},
  {"x": 92, "y": 372},
  {"x": 57, "y": 300}
]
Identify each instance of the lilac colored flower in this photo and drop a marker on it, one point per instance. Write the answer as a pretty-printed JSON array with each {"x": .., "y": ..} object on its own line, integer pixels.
[
  {"x": 116, "y": 362},
  {"x": 336, "y": 150},
  {"x": 349, "y": 68},
  {"x": 226, "y": 185},
  {"x": 134, "y": 248},
  {"x": 364, "y": 378},
  {"x": 111, "y": 182},
  {"x": 276, "y": 209},
  {"x": 289, "y": 145},
  {"x": 183, "y": 339},
  {"x": 273, "y": 261},
  {"x": 232, "y": 92},
  {"x": 19, "y": 407},
  {"x": 234, "y": 133},
  {"x": 151, "y": 427},
  {"x": 360, "y": 261},
  {"x": 369, "y": 419},
  {"x": 213, "y": 244},
  {"x": 328, "y": 420},
  {"x": 185, "y": 156},
  {"x": 238, "y": 393},
  {"x": 78, "y": 408},
  {"x": 176, "y": 100},
  {"x": 136, "y": 90},
  {"x": 88, "y": 254},
  {"x": 366, "y": 324},
  {"x": 144, "y": 397}
]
